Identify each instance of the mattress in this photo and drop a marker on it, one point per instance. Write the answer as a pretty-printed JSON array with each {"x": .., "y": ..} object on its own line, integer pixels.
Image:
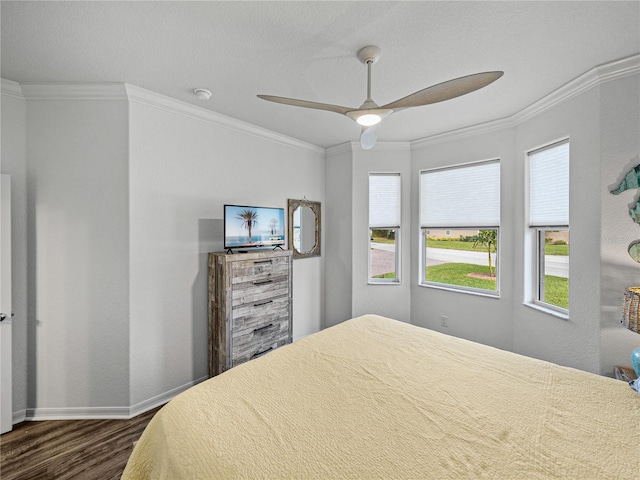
[{"x": 377, "y": 398}]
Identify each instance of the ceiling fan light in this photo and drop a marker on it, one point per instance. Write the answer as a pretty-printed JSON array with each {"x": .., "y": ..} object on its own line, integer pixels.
[
  {"x": 368, "y": 119},
  {"x": 368, "y": 138}
]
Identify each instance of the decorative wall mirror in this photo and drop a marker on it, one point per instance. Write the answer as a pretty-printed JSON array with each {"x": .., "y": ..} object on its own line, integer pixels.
[{"x": 304, "y": 228}]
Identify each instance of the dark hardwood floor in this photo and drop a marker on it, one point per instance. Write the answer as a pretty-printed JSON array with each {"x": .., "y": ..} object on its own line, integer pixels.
[{"x": 65, "y": 449}]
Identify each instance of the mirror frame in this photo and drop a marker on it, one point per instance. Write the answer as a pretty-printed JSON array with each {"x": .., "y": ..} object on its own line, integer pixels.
[{"x": 315, "y": 207}]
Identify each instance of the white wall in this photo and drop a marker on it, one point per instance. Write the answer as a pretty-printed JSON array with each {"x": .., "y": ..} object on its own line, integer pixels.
[
  {"x": 478, "y": 318},
  {"x": 602, "y": 120},
  {"x": 13, "y": 162},
  {"x": 393, "y": 299},
  {"x": 620, "y": 150},
  {"x": 599, "y": 113},
  {"x": 184, "y": 166},
  {"x": 122, "y": 192},
  {"x": 337, "y": 248},
  {"x": 348, "y": 294},
  {"x": 575, "y": 341},
  {"x": 506, "y": 322},
  {"x": 78, "y": 257}
]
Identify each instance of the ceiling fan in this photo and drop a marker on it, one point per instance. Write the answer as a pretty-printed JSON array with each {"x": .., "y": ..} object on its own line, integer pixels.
[{"x": 370, "y": 114}]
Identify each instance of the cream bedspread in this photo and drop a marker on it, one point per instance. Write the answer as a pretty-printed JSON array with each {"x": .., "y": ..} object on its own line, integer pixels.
[{"x": 377, "y": 398}]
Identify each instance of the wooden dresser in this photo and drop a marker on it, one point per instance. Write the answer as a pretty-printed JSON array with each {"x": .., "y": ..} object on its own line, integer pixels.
[{"x": 250, "y": 310}]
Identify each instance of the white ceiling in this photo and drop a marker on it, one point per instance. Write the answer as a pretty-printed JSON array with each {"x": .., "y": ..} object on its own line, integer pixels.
[{"x": 307, "y": 50}]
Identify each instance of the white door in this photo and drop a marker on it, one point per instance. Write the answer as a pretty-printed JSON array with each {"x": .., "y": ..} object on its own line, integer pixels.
[{"x": 6, "y": 409}]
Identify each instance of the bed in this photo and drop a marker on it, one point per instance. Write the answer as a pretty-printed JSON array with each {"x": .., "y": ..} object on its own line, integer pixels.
[{"x": 378, "y": 398}]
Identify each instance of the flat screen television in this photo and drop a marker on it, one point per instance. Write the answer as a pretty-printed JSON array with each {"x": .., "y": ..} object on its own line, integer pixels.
[{"x": 253, "y": 227}]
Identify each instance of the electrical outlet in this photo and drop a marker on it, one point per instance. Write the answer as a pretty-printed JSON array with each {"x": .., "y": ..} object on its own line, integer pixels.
[{"x": 444, "y": 320}]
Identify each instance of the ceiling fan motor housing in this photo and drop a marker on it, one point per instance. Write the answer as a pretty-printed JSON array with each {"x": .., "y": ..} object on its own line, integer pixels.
[{"x": 369, "y": 54}]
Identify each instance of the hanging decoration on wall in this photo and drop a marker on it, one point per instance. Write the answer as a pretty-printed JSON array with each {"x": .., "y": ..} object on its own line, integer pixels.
[
  {"x": 631, "y": 305},
  {"x": 631, "y": 180}
]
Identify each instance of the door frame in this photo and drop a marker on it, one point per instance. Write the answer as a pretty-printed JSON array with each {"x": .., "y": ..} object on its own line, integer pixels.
[{"x": 6, "y": 390}]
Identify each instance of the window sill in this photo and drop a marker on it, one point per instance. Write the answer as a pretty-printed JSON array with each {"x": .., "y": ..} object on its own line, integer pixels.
[
  {"x": 548, "y": 311},
  {"x": 478, "y": 293},
  {"x": 381, "y": 282}
]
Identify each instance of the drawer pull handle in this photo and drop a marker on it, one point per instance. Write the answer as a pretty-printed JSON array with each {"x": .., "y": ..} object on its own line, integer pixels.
[
  {"x": 263, "y": 282},
  {"x": 262, "y": 352},
  {"x": 263, "y": 261},
  {"x": 262, "y": 328},
  {"x": 263, "y": 303}
]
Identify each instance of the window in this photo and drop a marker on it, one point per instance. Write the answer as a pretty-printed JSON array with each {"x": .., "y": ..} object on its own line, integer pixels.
[
  {"x": 549, "y": 225},
  {"x": 460, "y": 222},
  {"x": 384, "y": 227}
]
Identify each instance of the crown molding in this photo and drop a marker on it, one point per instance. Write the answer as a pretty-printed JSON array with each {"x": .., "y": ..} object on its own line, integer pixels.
[
  {"x": 593, "y": 78},
  {"x": 132, "y": 93},
  {"x": 619, "y": 68},
  {"x": 384, "y": 146},
  {"x": 73, "y": 91},
  {"x": 119, "y": 91},
  {"x": 350, "y": 147},
  {"x": 10, "y": 88},
  {"x": 338, "y": 149},
  {"x": 473, "y": 130},
  {"x": 162, "y": 102}
]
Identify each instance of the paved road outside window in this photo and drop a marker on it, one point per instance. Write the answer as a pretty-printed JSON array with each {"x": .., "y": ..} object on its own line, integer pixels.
[{"x": 383, "y": 259}]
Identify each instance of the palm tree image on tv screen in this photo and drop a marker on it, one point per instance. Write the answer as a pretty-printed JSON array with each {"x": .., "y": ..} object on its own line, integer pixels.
[
  {"x": 249, "y": 219},
  {"x": 253, "y": 226}
]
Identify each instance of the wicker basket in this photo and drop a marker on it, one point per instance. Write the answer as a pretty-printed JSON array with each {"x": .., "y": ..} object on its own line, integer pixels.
[{"x": 631, "y": 308}]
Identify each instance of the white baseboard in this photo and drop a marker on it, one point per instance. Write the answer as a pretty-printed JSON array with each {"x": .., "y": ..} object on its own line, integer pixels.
[
  {"x": 161, "y": 399},
  {"x": 19, "y": 416},
  {"x": 76, "y": 413},
  {"x": 113, "y": 413}
]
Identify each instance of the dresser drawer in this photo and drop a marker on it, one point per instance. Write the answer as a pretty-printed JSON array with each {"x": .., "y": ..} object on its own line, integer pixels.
[
  {"x": 251, "y": 316},
  {"x": 252, "y": 271},
  {"x": 258, "y": 291},
  {"x": 259, "y": 342}
]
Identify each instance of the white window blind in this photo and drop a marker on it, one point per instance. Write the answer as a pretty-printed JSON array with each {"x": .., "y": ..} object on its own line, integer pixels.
[
  {"x": 384, "y": 200},
  {"x": 549, "y": 186},
  {"x": 465, "y": 196}
]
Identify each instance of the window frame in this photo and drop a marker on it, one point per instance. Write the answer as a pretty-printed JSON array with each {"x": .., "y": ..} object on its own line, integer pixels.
[
  {"x": 450, "y": 286},
  {"x": 385, "y": 281},
  {"x": 397, "y": 228},
  {"x": 424, "y": 228},
  {"x": 535, "y": 245},
  {"x": 540, "y": 258}
]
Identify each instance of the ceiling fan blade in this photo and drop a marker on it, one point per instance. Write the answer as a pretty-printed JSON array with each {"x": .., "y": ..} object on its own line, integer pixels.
[
  {"x": 368, "y": 137},
  {"x": 446, "y": 90},
  {"x": 304, "y": 103}
]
